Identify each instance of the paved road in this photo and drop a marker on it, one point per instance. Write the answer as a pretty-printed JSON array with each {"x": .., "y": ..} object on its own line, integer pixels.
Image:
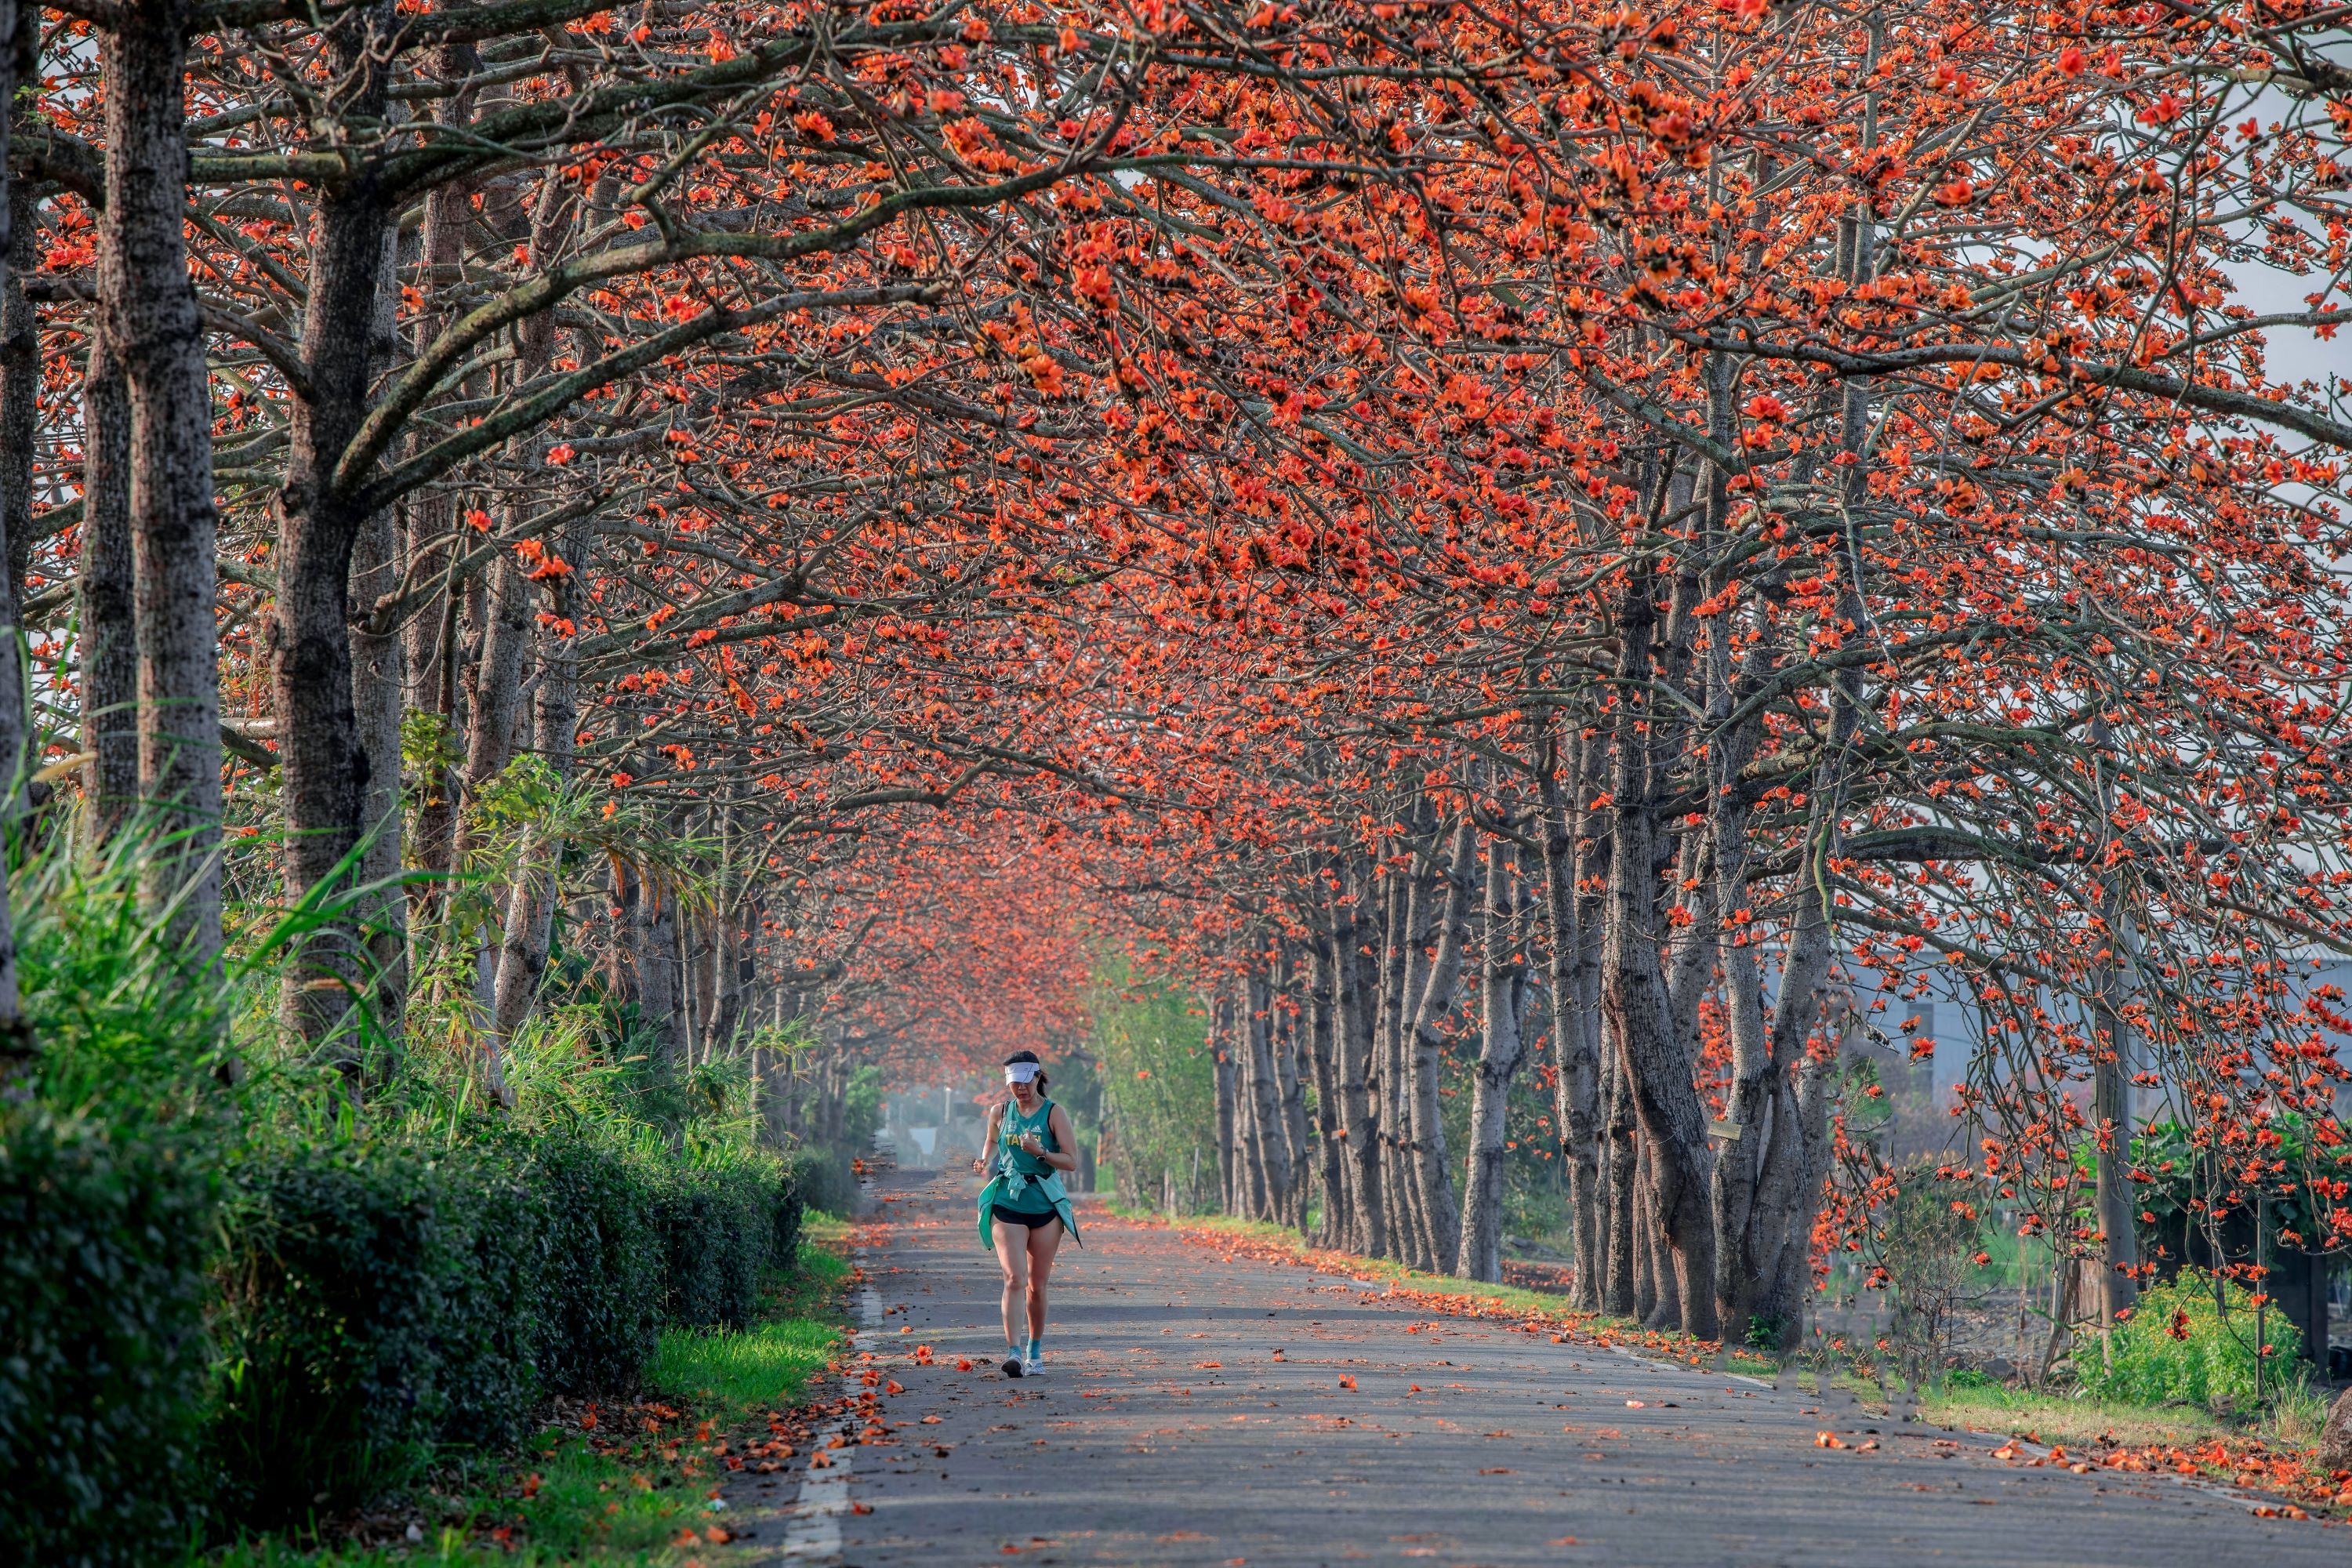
[{"x": 1168, "y": 1432}]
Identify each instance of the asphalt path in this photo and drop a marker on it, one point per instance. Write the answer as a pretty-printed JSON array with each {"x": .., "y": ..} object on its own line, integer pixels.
[{"x": 1203, "y": 1408}]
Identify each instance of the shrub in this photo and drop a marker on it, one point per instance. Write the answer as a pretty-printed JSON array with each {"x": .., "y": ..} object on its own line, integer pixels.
[
  {"x": 718, "y": 1223},
  {"x": 2178, "y": 1345},
  {"x": 494, "y": 1297},
  {"x": 1927, "y": 1235},
  {"x": 603, "y": 1263},
  {"x": 375, "y": 1306},
  {"x": 790, "y": 1214},
  {"x": 102, "y": 1245}
]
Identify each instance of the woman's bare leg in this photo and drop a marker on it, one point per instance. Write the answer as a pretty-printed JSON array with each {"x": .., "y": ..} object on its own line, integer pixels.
[
  {"x": 1013, "y": 1256},
  {"x": 1044, "y": 1242}
]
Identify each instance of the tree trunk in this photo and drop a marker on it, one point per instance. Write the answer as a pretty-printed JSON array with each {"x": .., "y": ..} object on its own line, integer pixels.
[
  {"x": 16, "y": 1043},
  {"x": 1401, "y": 962},
  {"x": 378, "y": 687},
  {"x": 329, "y": 785},
  {"x": 376, "y": 692},
  {"x": 20, "y": 393},
  {"x": 1433, "y": 1175},
  {"x": 149, "y": 307},
  {"x": 1355, "y": 967},
  {"x": 655, "y": 954},
  {"x": 1575, "y": 1046},
  {"x": 433, "y": 523},
  {"x": 1339, "y": 1227},
  {"x": 2111, "y": 1119},
  {"x": 1290, "y": 1048},
  {"x": 497, "y": 710},
  {"x": 529, "y": 928},
  {"x": 2111, "y": 1065},
  {"x": 1220, "y": 1052},
  {"x": 1265, "y": 1107},
  {"x": 1645, "y": 1242},
  {"x": 1250, "y": 1186},
  {"x": 106, "y": 590},
  {"x": 1500, "y": 1049},
  {"x": 1624, "y": 1157},
  {"x": 1665, "y": 1102}
]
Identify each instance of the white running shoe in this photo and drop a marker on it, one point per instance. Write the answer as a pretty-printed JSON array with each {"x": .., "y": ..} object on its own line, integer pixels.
[
  {"x": 1032, "y": 1366},
  {"x": 1012, "y": 1365}
]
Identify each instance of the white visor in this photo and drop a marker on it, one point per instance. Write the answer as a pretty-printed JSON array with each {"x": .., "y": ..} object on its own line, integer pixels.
[{"x": 1020, "y": 1072}]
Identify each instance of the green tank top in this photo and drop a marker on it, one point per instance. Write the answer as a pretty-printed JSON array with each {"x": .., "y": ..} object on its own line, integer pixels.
[{"x": 1029, "y": 1194}]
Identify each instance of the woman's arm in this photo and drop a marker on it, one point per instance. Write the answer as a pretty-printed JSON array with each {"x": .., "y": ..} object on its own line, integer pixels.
[
  {"x": 987, "y": 1143},
  {"x": 1065, "y": 1137}
]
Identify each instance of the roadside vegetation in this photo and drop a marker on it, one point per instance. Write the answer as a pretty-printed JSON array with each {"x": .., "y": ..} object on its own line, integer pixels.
[{"x": 262, "y": 1302}]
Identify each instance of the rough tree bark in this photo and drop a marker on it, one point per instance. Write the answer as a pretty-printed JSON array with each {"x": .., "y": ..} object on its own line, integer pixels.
[
  {"x": 1221, "y": 1053},
  {"x": 327, "y": 780},
  {"x": 15, "y": 1037},
  {"x": 1355, "y": 965},
  {"x": 1401, "y": 962},
  {"x": 150, "y": 317},
  {"x": 1573, "y": 969},
  {"x": 1665, "y": 1102},
  {"x": 1268, "y": 1127},
  {"x": 378, "y": 687},
  {"x": 1502, "y": 994},
  {"x": 1433, "y": 1178},
  {"x": 653, "y": 952},
  {"x": 1620, "y": 1147},
  {"x": 1339, "y": 1223},
  {"x": 106, "y": 590},
  {"x": 1290, "y": 1044}
]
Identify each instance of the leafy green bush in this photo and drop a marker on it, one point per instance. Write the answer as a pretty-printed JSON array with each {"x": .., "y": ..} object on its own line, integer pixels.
[
  {"x": 375, "y": 1305},
  {"x": 494, "y": 1299},
  {"x": 2179, "y": 1345},
  {"x": 718, "y": 1223},
  {"x": 102, "y": 1247},
  {"x": 289, "y": 1327},
  {"x": 603, "y": 1263},
  {"x": 788, "y": 1218}
]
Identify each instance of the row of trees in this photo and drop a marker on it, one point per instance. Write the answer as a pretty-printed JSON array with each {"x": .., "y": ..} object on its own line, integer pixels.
[
  {"x": 1828, "y": 518},
  {"x": 1591, "y": 538},
  {"x": 431, "y": 409}
]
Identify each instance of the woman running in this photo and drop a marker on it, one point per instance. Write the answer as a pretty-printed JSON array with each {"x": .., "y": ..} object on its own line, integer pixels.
[{"x": 1023, "y": 1211}]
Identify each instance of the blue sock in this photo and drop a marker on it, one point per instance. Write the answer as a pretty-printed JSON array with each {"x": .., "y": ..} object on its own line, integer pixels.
[{"x": 1036, "y": 1345}]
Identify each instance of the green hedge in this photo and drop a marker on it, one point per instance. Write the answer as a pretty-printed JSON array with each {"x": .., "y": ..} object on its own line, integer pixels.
[
  {"x": 789, "y": 1215},
  {"x": 104, "y": 1243},
  {"x": 723, "y": 1222},
  {"x": 345, "y": 1296},
  {"x": 375, "y": 1307},
  {"x": 492, "y": 1329},
  {"x": 605, "y": 1266}
]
